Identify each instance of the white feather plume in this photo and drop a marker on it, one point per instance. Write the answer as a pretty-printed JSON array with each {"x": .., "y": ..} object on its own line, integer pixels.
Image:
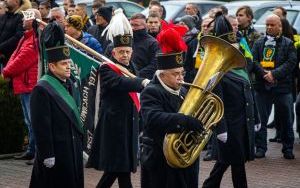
[{"x": 119, "y": 25}]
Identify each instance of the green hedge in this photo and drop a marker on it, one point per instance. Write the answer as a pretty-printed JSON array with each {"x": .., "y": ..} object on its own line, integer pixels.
[{"x": 11, "y": 120}]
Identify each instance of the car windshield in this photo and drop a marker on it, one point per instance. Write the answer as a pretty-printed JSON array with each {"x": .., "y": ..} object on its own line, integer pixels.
[
  {"x": 291, "y": 16},
  {"x": 171, "y": 9},
  {"x": 232, "y": 9}
]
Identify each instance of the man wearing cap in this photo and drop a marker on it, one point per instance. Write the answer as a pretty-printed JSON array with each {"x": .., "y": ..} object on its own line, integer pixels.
[
  {"x": 160, "y": 102},
  {"x": 73, "y": 28},
  {"x": 234, "y": 144},
  {"x": 103, "y": 17},
  {"x": 22, "y": 68},
  {"x": 56, "y": 120},
  {"x": 114, "y": 148}
]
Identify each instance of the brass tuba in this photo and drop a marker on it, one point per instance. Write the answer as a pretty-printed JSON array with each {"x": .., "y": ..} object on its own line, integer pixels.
[{"x": 182, "y": 149}]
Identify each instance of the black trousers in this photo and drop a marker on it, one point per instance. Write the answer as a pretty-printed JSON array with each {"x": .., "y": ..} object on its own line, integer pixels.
[
  {"x": 238, "y": 174},
  {"x": 108, "y": 178}
]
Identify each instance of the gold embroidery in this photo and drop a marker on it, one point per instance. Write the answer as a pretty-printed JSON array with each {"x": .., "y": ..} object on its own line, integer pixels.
[
  {"x": 179, "y": 59},
  {"x": 66, "y": 51}
]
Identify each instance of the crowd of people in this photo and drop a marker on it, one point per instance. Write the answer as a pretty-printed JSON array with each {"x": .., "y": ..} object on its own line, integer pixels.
[{"x": 136, "y": 112}]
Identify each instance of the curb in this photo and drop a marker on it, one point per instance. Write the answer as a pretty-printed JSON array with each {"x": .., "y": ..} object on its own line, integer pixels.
[{"x": 9, "y": 155}]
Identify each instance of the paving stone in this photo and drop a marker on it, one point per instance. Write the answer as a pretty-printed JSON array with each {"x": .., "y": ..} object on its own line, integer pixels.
[{"x": 271, "y": 172}]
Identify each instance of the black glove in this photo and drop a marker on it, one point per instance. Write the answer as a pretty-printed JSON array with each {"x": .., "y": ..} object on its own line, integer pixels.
[
  {"x": 184, "y": 122},
  {"x": 193, "y": 124}
]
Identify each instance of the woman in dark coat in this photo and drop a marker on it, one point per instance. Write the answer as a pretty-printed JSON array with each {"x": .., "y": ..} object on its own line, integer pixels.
[{"x": 235, "y": 132}]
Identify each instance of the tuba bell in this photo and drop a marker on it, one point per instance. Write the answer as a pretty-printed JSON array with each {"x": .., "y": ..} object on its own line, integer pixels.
[{"x": 182, "y": 149}]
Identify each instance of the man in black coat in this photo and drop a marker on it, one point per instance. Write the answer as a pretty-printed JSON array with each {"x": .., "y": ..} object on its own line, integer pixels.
[
  {"x": 145, "y": 48},
  {"x": 160, "y": 102},
  {"x": 235, "y": 134},
  {"x": 11, "y": 28},
  {"x": 56, "y": 125},
  {"x": 277, "y": 58},
  {"x": 115, "y": 144}
]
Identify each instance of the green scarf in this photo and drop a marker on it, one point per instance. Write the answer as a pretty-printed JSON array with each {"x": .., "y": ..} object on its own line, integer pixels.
[
  {"x": 242, "y": 73},
  {"x": 65, "y": 95}
]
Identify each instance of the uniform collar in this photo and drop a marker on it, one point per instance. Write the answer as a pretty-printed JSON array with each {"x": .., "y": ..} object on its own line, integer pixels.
[{"x": 167, "y": 88}]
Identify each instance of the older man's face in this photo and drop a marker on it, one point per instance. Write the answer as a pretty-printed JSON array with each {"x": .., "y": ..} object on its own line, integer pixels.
[
  {"x": 273, "y": 25},
  {"x": 58, "y": 16},
  {"x": 122, "y": 54},
  {"x": 173, "y": 77}
]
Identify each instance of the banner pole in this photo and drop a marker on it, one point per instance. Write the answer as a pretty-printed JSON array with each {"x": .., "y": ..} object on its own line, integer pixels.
[{"x": 93, "y": 52}]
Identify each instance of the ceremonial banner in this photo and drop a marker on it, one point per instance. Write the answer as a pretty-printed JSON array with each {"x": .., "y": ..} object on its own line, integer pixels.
[{"x": 86, "y": 70}]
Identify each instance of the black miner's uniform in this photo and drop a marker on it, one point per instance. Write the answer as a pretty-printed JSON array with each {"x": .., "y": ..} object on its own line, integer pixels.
[
  {"x": 56, "y": 136},
  {"x": 159, "y": 113},
  {"x": 114, "y": 147}
]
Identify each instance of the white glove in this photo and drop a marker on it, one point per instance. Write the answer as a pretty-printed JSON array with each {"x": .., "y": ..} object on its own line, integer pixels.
[
  {"x": 145, "y": 82},
  {"x": 222, "y": 137},
  {"x": 49, "y": 162},
  {"x": 257, "y": 127}
]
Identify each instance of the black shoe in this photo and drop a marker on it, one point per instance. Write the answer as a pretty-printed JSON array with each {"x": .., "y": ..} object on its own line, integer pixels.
[
  {"x": 24, "y": 156},
  {"x": 260, "y": 154},
  {"x": 207, "y": 157},
  {"x": 289, "y": 155},
  {"x": 30, "y": 162}
]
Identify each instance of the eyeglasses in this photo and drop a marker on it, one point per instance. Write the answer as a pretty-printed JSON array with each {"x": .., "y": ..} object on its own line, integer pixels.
[{"x": 123, "y": 52}]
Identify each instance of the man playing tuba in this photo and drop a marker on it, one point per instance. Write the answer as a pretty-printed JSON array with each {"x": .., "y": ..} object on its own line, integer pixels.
[{"x": 160, "y": 102}]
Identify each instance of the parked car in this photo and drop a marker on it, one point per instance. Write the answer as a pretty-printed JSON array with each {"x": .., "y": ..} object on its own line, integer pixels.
[
  {"x": 293, "y": 16},
  {"x": 128, "y": 7},
  {"x": 175, "y": 9},
  {"x": 258, "y": 7}
]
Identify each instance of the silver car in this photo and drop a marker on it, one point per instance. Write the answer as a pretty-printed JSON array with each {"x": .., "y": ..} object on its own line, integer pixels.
[
  {"x": 293, "y": 16},
  {"x": 258, "y": 7}
]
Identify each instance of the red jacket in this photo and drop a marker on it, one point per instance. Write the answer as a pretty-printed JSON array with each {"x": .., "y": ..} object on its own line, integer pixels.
[{"x": 22, "y": 66}]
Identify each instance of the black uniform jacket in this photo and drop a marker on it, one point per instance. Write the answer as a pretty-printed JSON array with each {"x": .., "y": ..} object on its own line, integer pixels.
[
  {"x": 158, "y": 107},
  {"x": 144, "y": 59},
  {"x": 240, "y": 116},
  {"x": 56, "y": 136},
  {"x": 115, "y": 143}
]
